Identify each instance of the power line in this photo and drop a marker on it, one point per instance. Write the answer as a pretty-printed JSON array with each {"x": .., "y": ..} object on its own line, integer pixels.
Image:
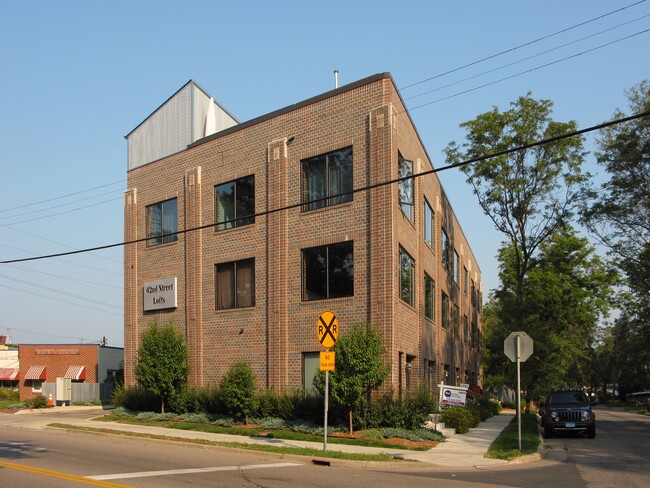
[
  {"x": 529, "y": 70},
  {"x": 356, "y": 190},
  {"x": 519, "y": 46},
  {"x": 526, "y": 58},
  {"x": 63, "y": 196}
]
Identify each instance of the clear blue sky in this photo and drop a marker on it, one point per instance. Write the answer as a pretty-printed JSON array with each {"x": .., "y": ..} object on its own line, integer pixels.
[{"x": 77, "y": 76}]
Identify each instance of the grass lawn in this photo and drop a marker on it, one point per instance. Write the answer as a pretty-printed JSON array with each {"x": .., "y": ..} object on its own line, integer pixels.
[{"x": 506, "y": 446}]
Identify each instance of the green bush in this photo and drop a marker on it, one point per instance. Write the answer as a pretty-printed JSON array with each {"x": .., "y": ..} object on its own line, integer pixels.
[
  {"x": 460, "y": 418},
  {"x": 9, "y": 394},
  {"x": 37, "y": 402},
  {"x": 136, "y": 399},
  {"x": 416, "y": 435},
  {"x": 237, "y": 390}
]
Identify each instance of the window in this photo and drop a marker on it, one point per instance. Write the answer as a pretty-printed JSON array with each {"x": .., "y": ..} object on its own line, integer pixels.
[
  {"x": 405, "y": 169},
  {"x": 465, "y": 329},
  {"x": 235, "y": 284},
  {"x": 456, "y": 320},
  {"x": 429, "y": 297},
  {"x": 473, "y": 294},
  {"x": 445, "y": 311},
  {"x": 235, "y": 203},
  {"x": 445, "y": 249},
  {"x": 162, "y": 222},
  {"x": 429, "y": 224},
  {"x": 327, "y": 175},
  {"x": 465, "y": 279},
  {"x": 406, "y": 272},
  {"x": 328, "y": 271},
  {"x": 310, "y": 368},
  {"x": 37, "y": 386},
  {"x": 456, "y": 270}
]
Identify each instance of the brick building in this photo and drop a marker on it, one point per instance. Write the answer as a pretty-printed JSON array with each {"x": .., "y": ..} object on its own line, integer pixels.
[
  {"x": 251, "y": 283},
  {"x": 42, "y": 364}
]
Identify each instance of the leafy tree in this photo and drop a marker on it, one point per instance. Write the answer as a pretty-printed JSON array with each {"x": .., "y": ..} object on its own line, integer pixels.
[
  {"x": 527, "y": 194},
  {"x": 162, "y": 366},
  {"x": 567, "y": 293},
  {"x": 237, "y": 390},
  {"x": 359, "y": 367},
  {"x": 616, "y": 213}
]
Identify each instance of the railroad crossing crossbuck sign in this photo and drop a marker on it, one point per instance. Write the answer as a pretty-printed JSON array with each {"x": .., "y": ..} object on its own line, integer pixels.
[{"x": 327, "y": 329}]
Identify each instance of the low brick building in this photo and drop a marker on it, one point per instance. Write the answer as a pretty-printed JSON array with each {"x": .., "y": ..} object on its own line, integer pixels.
[
  {"x": 41, "y": 364},
  {"x": 248, "y": 231}
]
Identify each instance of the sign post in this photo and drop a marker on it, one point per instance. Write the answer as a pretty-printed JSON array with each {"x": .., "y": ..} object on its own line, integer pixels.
[
  {"x": 327, "y": 331},
  {"x": 518, "y": 346}
]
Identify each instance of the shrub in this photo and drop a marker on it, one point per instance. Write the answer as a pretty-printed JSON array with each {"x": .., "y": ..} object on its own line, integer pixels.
[
  {"x": 459, "y": 418},
  {"x": 237, "y": 390},
  {"x": 37, "y": 402},
  {"x": 135, "y": 398},
  {"x": 272, "y": 423},
  {"x": 416, "y": 435},
  {"x": 224, "y": 422},
  {"x": 270, "y": 403},
  {"x": 198, "y": 418},
  {"x": 9, "y": 394}
]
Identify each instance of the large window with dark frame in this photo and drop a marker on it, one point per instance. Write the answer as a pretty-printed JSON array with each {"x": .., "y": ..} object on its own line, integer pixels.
[
  {"x": 406, "y": 273},
  {"x": 162, "y": 222},
  {"x": 465, "y": 279},
  {"x": 328, "y": 271},
  {"x": 429, "y": 224},
  {"x": 327, "y": 179},
  {"x": 235, "y": 284},
  {"x": 405, "y": 189},
  {"x": 456, "y": 270},
  {"x": 235, "y": 203},
  {"x": 429, "y": 297}
]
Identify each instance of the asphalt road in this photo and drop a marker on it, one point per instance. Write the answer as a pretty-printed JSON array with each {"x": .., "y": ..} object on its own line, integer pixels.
[{"x": 32, "y": 457}]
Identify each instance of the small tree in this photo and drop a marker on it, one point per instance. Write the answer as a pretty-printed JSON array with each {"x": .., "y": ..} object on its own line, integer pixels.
[
  {"x": 162, "y": 367},
  {"x": 359, "y": 367},
  {"x": 237, "y": 390}
]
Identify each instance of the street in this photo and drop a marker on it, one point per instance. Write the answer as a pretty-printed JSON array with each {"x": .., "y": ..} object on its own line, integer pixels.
[{"x": 31, "y": 456}]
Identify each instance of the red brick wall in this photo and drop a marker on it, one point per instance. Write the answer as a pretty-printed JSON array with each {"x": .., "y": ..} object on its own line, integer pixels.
[
  {"x": 56, "y": 359},
  {"x": 274, "y": 333}
]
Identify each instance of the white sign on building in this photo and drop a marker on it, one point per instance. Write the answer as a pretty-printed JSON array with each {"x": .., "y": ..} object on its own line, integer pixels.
[{"x": 160, "y": 294}]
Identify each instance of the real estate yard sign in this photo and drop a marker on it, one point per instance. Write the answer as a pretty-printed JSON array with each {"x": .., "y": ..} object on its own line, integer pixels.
[{"x": 452, "y": 395}]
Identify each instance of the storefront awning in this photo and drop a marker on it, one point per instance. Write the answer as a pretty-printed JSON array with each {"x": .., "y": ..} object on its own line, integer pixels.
[
  {"x": 8, "y": 374},
  {"x": 76, "y": 373},
  {"x": 35, "y": 373}
]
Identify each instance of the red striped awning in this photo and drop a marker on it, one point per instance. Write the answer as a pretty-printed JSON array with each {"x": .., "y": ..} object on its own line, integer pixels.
[
  {"x": 76, "y": 373},
  {"x": 8, "y": 374},
  {"x": 35, "y": 373}
]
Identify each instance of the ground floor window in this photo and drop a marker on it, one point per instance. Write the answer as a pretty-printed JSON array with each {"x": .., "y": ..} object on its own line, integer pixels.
[
  {"x": 310, "y": 368},
  {"x": 37, "y": 386}
]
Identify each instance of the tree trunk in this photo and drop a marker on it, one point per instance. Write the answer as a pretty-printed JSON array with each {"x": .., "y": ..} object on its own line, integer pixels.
[
  {"x": 162, "y": 406},
  {"x": 350, "y": 413}
]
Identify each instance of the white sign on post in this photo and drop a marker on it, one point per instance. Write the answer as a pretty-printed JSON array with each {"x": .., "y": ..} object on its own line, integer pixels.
[
  {"x": 518, "y": 346},
  {"x": 452, "y": 396}
]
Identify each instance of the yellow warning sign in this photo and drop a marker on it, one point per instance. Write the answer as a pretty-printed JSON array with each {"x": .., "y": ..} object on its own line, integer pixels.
[
  {"x": 327, "y": 361},
  {"x": 327, "y": 329}
]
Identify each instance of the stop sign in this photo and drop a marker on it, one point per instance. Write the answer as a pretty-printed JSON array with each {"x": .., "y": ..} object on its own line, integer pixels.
[{"x": 525, "y": 346}]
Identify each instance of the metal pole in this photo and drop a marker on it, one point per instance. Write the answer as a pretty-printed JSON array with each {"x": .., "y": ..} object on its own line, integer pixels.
[
  {"x": 517, "y": 352},
  {"x": 327, "y": 389}
]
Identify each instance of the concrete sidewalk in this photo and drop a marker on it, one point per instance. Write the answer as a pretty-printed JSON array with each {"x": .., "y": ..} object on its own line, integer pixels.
[{"x": 463, "y": 450}]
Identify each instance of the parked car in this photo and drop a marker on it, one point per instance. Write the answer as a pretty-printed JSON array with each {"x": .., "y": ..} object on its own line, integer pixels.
[{"x": 567, "y": 411}]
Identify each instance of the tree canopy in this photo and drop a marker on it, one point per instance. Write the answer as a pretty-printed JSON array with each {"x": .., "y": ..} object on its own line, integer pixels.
[
  {"x": 359, "y": 367},
  {"x": 527, "y": 194},
  {"x": 162, "y": 366}
]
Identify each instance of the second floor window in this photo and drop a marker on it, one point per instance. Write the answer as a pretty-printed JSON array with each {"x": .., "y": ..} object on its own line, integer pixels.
[
  {"x": 445, "y": 311},
  {"x": 456, "y": 267},
  {"x": 444, "y": 252},
  {"x": 328, "y": 271},
  {"x": 162, "y": 222},
  {"x": 405, "y": 169},
  {"x": 406, "y": 273},
  {"x": 235, "y": 284},
  {"x": 429, "y": 297},
  {"x": 327, "y": 175},
  {"x": 235, "y": 203}
]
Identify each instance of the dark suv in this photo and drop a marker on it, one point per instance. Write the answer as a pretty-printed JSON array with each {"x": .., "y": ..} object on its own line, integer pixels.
[{"x": 567, "y": 411}]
